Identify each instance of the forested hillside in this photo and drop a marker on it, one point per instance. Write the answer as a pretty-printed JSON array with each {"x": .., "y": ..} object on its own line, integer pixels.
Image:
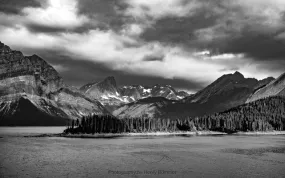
[{"x": 262, "y": 115}]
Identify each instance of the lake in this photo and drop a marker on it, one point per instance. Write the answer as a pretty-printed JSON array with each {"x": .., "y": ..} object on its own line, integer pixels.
[{"x": 148, "y": 156}]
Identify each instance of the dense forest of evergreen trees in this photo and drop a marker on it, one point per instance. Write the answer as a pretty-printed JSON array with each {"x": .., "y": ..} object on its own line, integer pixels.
[{"x": 262, "y": 115}]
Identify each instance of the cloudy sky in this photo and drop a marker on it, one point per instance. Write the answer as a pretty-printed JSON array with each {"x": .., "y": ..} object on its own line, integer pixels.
[{"x": 185, "y": 43}]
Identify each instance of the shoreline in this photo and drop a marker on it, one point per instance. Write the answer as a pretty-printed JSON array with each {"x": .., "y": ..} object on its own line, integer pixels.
[
  {"x": 274, "y": 132},
  {"x": 141, "y": 134}
]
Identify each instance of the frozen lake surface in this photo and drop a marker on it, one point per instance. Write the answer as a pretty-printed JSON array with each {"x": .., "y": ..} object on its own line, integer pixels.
[{"x": 148, "y": 156}]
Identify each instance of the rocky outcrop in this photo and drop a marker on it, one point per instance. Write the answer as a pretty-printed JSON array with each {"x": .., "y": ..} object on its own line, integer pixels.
[
  {"x": 31, "y": 80},
  {"x": 274, "y": 88}
]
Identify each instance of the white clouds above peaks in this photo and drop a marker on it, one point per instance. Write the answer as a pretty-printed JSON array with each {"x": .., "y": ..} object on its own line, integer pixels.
[{"x": 56, "y": 13}]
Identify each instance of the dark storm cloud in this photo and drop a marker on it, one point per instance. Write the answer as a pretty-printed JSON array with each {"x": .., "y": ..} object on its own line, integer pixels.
[
  {"x": 178, "y": 29},
  {"x": 153, "y": 58},
  {"x": 257, "y": 44},
  {"x": 106, "y": 11},
  {"x": 16, "y": 6},
  {"x": 38, "y": 28}
]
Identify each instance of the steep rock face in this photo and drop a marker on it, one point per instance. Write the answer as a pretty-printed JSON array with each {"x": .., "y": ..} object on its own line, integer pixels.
[
  {"x": 31, "y": 80},
  {"x": 30, "y": 74},
  {"x": 226, "y": 92},
  {"x": 274, "y": 88}
]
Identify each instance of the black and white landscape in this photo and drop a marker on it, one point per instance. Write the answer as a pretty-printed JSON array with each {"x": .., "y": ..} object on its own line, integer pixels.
[{"x": 149, "y": 77}]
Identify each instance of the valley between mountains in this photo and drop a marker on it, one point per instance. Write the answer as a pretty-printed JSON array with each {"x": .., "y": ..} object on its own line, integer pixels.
[{"x": 32, "y": 93}]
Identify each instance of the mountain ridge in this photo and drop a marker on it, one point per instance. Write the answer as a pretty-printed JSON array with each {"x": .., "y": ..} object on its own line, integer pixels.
[
  {"x": 112, "y": 96},
  {"x": 274, "y": 88},
  {"x": 228, "y": 91}
]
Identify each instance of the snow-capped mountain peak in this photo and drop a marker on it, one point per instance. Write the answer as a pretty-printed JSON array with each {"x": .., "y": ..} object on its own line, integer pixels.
[{"x": 109, "y": 94}]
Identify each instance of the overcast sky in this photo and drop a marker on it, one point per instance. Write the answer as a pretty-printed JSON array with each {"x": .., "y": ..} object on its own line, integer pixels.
[{"x": 184, "y": 43}]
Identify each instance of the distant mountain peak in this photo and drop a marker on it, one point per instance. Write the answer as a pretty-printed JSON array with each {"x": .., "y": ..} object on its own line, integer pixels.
[
  {"x": 110, "y": 80},
  {"x": 237, "y": 76},
  {"x": 226, "y": 87},
  {"x": 237, "y": 73}
]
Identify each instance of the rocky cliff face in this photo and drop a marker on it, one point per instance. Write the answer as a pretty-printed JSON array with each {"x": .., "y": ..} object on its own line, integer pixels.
[
  {"x": 274, "y": 88},
  {"x": 29, "y": 74},
  {"x": 29, "y": 81},
  {"x": 112, "y": 96}
]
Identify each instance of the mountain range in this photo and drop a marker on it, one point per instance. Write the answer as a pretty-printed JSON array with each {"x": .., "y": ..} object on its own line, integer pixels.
[
  {"x": 113, "y": 96},
  {"x": 33, "y": 93},
  {"x": 226, "y": 92}
]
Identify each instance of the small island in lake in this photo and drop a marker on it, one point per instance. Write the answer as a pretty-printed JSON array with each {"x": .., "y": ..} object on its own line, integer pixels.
[{"x": 263, "y": 116}]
